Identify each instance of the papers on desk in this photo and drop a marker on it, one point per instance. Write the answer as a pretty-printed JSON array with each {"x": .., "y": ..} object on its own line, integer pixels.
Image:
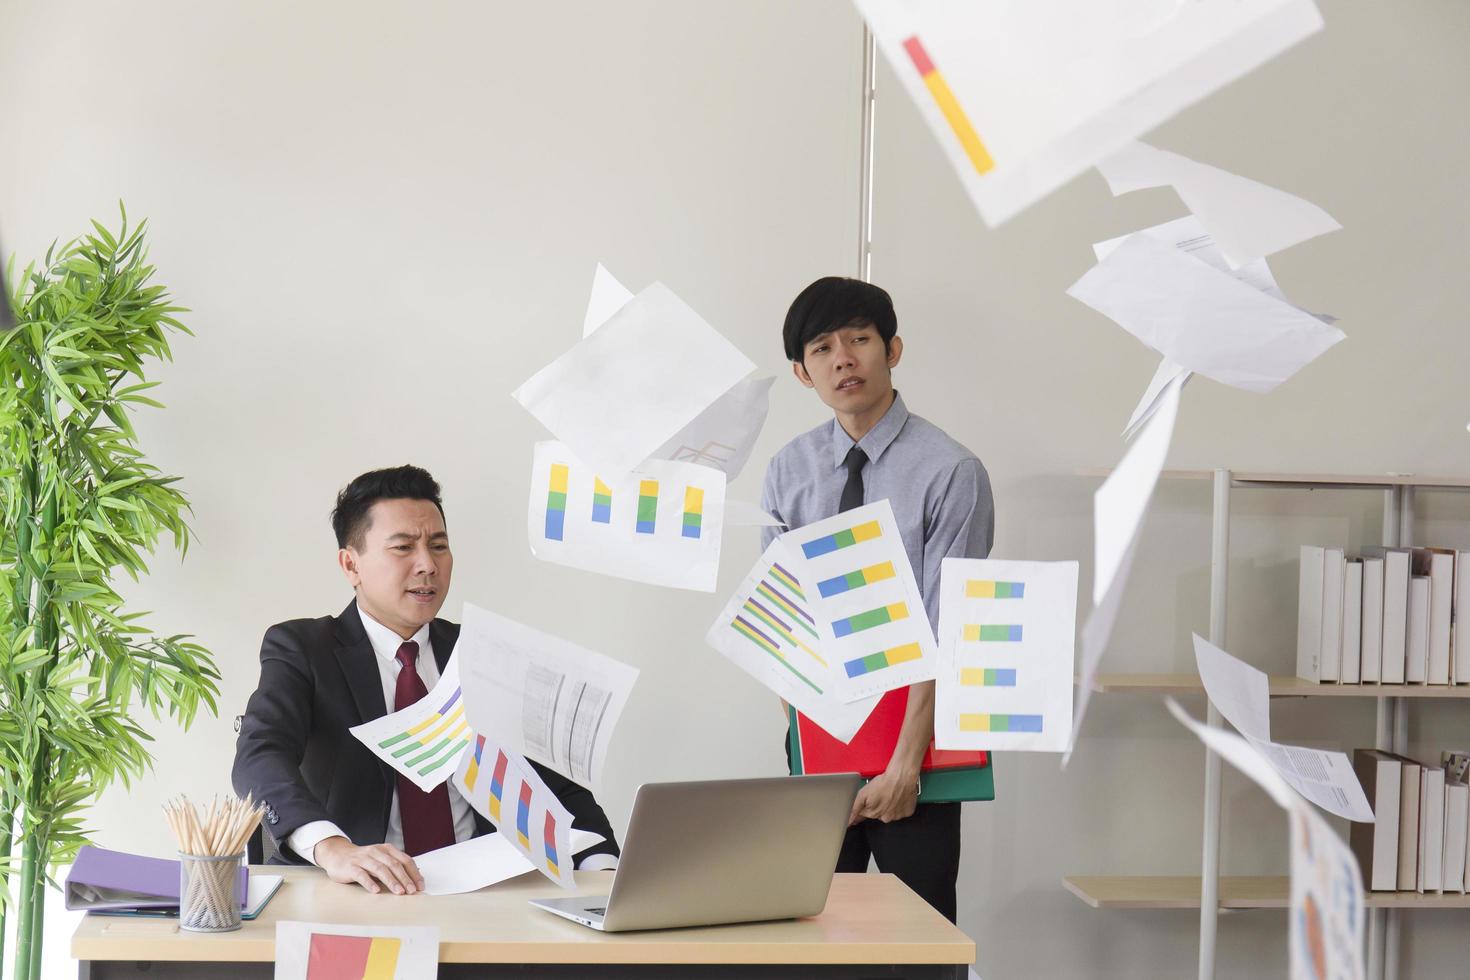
[
  {"x": 323, "y": 951},
  {"x": 1248, "y": 219},
  {"x": 661, "y": 524},
  {"x": 1118, "y": 509},
  {"x": 1242, "y": 695},
  {"x": 1023, "y": 95},
  {"x": 471, "y": 865},
  {"x": 1327, "y": 908},
  {"x": 541, "y": 696},
  {"x": 1229, "y": 325},
  {"x": 1007, "y": 634},
  {"x": 630, "y": 386},
  {"x": 425, "y": 740}
]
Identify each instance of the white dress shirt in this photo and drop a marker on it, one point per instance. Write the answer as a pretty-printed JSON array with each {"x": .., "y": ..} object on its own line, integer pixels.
[{"x": 304, "y": 839}]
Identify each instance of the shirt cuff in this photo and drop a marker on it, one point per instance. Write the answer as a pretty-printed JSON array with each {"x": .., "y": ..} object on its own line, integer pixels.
[
  {"x": 599, "y": 862},
  {"x": 304, "y": 839}
]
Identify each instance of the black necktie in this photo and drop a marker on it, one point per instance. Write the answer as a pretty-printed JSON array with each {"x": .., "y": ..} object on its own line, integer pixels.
[{"x": 852, "y": 493}]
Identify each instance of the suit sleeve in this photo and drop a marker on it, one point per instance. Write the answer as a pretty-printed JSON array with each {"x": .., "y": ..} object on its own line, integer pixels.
[
  {"x": 273, "y": 737},
  {"x": 586, "y": 812}
]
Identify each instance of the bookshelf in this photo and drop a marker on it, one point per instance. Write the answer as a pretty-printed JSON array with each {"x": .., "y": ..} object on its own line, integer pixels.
[{"x": 1209, "y": 892}]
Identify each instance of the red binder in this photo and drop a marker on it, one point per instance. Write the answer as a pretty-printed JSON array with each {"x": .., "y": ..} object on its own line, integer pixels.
[{"x": 871, "y": 748}]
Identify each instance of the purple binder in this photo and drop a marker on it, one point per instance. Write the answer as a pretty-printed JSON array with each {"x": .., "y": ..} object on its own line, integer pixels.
[{"x": 115, "y": 880}]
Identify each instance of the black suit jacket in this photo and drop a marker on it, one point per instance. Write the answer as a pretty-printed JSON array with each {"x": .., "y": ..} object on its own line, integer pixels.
[{"x": 318, "y": 678}]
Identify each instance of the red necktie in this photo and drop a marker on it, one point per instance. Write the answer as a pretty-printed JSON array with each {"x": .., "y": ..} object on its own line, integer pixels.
[{"x": 427, "y": 822}]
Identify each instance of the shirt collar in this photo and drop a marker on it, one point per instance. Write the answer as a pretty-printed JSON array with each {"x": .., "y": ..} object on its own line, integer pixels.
[
  {"x": 386, "y": 642},
  {"x": 879, "y": 437}
]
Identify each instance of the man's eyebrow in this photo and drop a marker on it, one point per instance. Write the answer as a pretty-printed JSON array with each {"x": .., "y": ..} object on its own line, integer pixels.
[
  {"x": 403, "y": 535},
  {"x": 439, "y": 535}
]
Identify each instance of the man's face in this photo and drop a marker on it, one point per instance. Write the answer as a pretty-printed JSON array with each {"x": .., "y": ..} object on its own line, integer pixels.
[
  {"x": 850, "y": 368},
  {"x": 401, "y": 573}
]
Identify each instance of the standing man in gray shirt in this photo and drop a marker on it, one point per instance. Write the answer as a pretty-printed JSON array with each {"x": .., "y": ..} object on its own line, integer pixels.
[{"x": 841, "y": 336}]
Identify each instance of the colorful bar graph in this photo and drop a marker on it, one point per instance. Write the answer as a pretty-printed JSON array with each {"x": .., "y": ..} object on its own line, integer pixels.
[
  {"x": 752, "y": 633},
  {"x": 647, "y": 506},
  {"x": 768, "y": 591},
  {"x": 883, "y": 659},
  {"x": 497, "y": 785},
  {"x": 556, "y": 502},
  {"x": 838, "y": 540},
  {"x": 855, "y": 580},
  {"x": 1000, "y": 723},
  {"x": 523, "y": 816},
  {"x": 550, "y": 841},
  {"x": 987, "y": 589},
  {"x": 787, "y": 579},
  {"x": 987, "y": 677},
  {"x": 601, "y": 502},
  {"x": 975, "y": 633},
  {"x": 332, "y": 957},
  {"x": 472, "y": 773},
  {"x": 858, "y": 622},
  {"x": 435, "y": 740},
  {"x": 950, "y": 107},
  {"x": 693, "y": 511},
  {"x": 773, "y": 621}
]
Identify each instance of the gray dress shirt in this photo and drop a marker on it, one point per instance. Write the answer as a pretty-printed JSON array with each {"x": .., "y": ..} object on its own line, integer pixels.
[{"x": 939, "y": 490}]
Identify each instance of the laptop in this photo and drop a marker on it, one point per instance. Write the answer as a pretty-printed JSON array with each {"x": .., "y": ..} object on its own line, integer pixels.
[{"x": 722, "y": 851}]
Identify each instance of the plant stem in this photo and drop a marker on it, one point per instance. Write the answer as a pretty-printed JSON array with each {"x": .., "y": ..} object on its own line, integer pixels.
[
  {"x": 24, "y": 935},
  {"x": 38, "y": 913},
  {"x": 7, "y": 820}
]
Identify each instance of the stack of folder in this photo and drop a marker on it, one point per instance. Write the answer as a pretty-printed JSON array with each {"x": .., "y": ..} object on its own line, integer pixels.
[{"x": 118, "y": 883}]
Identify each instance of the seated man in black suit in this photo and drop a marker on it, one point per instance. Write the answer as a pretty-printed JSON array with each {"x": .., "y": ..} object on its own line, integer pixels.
[{"x": 328, "y": 799}]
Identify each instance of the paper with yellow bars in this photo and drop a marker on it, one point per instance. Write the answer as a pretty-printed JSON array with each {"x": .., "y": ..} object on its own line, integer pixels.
[
  {"x": 423, "y": 741},
  {"x": 329, "y": 951}
]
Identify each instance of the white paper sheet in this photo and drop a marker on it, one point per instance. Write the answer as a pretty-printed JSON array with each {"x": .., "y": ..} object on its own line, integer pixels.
[
  {"x": 471, "y": 865},
  {"x": 1249, "y": 220},
  {"x": 865, "y": 600},
  {"x": 1189, "y": 235},
  {"x": 1235, "y": 750},
  {"x": 769, "y": 631},
  {"x": 1201, "y": 318},
  {"x": 620, "y": 394},
  {"x": 1240, "y": 692},
  {"x": 1007, "y": 636},
  {"x": 662, "y": 524},
  {"x": 1167, "y": 371},
  {"x": 724, "y": 434},
  {"x": 540, "y": 696},
  {"x": 425, "y": 740},
  {"x": 1118, "y": 508},
  {"x": 608, "y": 296},
  {"x": 1023, "y": 95},
  {"x": 307, "y": 949}
]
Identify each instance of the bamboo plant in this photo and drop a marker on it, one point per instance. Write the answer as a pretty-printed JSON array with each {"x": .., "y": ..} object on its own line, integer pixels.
[{"x": 79, "y": 503}]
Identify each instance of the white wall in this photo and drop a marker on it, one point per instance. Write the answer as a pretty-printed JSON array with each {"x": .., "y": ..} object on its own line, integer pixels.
[{"x": 384, "y": 217}]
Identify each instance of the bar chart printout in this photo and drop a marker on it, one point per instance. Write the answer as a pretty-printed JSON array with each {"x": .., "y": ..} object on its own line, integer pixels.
[
  {"x": 661, "y": 524},
  {"x": 1006, "y": 640},
  {"x": 329, "y": 951},
  {"x": 425, "y": 740}
]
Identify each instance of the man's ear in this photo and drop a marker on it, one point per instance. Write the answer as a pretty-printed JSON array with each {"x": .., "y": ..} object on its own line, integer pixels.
[
  {"x": 347, "y": 561},
  {"x": 799, "y": 369},
  {"x": 895, "y": 351}
]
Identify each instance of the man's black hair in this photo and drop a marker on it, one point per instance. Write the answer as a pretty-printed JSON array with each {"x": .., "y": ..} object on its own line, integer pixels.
[
  {"x": 834, "y": 302},
  {"x": 351, "y": 517}
]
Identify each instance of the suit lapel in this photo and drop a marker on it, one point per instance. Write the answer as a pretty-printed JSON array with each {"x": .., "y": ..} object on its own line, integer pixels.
[
  {"x": 360, "y": 664},
  {"x": 442, "y": 636}
]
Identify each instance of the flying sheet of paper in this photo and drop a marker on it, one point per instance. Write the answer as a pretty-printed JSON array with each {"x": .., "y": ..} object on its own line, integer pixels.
[
  {"x": 1326, "y": 931},
  {"x": 743, "y": 513},
  {"x": 620, "y": 394},
  {"x": 1240, "y": 692},
  {"x": 723, "y": 435},
  {"x": 1202, "y": 318},
  {"x": 507, "y": 791},
  {"x": 865, "y": 600},
  {"x": 540, "y": 696},
  {"x": 661, "y": 524},
  {"x": 608, "y": 296},
  {"x": 1188, "y": 235},
  {"x": 471, "y": 865},
  {"x": 315, "y": 950},
  {"x": 425, "y": 740},
  {"x": 1152, "y": 396},
  {"x": 1007, "y": 636},
  {"x": 769, "y": 631},
  {"x": 1118, "y": 508},
  {"x": 1249, "y": 220},
  {"x": 1024, "y": 95}
]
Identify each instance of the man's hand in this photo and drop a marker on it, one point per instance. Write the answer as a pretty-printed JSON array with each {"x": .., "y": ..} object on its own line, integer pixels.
[
  {"x": 889, "y": 796},
  {"x": 344, "y": 861}
]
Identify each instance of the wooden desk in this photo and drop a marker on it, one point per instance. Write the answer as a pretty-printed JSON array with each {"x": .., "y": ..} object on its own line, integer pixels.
[{"x": 873, "y": 927}]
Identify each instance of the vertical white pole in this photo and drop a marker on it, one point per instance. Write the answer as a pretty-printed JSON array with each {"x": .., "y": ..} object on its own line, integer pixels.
[
  {"x": 1210, "y": 872},
  {"x": 1400, "y": 722},
  {"x": 865, "y": 160},
  {"x": 1383, "y": 740}
]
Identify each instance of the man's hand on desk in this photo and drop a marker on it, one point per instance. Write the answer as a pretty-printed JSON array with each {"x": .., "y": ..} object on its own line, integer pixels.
[
  {"x": 344, "y": 861},
  {"x": 889, "y": 796}
]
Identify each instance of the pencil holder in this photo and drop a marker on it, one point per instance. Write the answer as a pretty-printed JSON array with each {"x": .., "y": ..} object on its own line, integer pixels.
[{"x": 209, "y": 897}]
